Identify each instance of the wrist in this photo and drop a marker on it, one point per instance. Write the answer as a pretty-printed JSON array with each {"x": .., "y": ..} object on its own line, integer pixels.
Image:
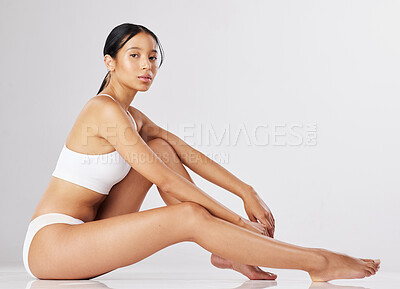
[{"x": 248, "y": 191}]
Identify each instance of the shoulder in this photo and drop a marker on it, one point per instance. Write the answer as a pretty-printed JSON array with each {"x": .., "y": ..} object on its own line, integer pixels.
[
  {"x": 104, "y": 109},
  {"x": 104, "y": 104},
  {"x": 102, "y": 101}
]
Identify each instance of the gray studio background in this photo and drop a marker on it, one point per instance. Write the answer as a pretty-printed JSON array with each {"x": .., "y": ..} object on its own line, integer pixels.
[{"x": 307, "y": 90}]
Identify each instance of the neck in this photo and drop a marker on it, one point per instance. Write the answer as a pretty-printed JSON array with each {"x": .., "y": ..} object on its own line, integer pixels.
[{"x": 123, "y": 96}]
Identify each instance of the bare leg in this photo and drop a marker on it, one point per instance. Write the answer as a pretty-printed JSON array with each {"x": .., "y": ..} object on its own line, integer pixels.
[
  {"x": 322, "y": 265},
  {"x": 62, "y": 251}
]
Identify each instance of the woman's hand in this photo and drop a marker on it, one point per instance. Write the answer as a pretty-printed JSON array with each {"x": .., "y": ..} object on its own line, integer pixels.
[
  {"x": 254, "y": 226},
  {"x": 257, "y": 210}
]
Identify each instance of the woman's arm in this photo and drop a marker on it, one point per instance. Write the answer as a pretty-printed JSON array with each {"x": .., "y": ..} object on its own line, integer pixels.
[
  {"x": 117, "y": 129},
  {"x": 197, "y": 161}
]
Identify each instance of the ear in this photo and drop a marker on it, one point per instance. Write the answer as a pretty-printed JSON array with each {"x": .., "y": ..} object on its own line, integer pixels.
[{"x": 109, "y": 62}]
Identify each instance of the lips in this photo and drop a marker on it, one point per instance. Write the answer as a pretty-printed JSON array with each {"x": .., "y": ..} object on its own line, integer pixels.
[{"x": 147, "y": 76}]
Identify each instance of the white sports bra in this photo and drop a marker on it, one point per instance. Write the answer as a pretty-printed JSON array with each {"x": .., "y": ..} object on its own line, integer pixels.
[{"x": 95, "y": 172}]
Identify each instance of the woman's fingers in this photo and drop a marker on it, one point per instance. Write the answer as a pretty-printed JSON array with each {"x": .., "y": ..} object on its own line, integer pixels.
[
  {"x": 271, "y": 220},
  {"x": 268, "y": 227},
  {"x": 253, "y": 219},
  {"x": 271, "y": 225},
  {"x": 259, "y": 227},
  {"x": 265, "y": 228}
]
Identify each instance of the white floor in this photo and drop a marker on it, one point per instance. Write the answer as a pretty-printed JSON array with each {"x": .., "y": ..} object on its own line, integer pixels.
[{"x": 12, "y": 278}]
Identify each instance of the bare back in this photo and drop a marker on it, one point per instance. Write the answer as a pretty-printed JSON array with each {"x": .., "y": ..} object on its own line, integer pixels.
[{"x": 68, "y": 198}]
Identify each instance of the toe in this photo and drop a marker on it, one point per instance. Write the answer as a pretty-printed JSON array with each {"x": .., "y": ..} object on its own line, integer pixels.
[
  {"x": 268, "y": 275},
  {"x": 272, "y": 275},
  {"x": 370, "y": 270},
  {"x": 372, "y": 263}
]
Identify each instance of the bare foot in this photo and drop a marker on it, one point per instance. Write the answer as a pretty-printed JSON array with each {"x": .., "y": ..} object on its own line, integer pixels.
[
  {"x": 342, "y": 266},
  {"x": 250, "y": 271}
]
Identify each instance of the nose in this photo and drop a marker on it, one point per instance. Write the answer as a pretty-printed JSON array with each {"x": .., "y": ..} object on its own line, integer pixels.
[{"x": 145, "y": 63}]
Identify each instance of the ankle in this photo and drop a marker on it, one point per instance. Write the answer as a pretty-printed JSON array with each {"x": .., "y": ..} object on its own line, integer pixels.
[{"x": 318, "y": 260}]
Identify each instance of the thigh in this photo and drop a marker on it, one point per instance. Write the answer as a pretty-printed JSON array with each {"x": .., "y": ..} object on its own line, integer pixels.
[
  {"x": 88, "y": 250},
  {"x": 125, "y": 197}
]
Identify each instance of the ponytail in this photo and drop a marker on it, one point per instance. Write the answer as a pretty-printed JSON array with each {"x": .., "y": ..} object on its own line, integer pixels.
[{"x": 105, "y": 82}]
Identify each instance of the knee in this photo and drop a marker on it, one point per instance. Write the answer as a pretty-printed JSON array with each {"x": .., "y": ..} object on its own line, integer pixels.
[
  {"x": 195, "y": 218},
  {"x": 159, "y": 143},
  {"x": 195, "y": 212},
  {"x": 163, "y": 149}
]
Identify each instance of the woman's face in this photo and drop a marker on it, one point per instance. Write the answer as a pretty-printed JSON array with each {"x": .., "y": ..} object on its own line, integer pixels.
[{"x": 136, "y": 58}]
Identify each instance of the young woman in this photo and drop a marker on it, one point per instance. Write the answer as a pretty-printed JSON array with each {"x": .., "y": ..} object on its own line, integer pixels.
[{"x": 88, "y": 223}]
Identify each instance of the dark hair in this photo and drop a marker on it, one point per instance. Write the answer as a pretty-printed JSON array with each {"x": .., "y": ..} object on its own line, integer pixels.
[{"x": 118, "y": 37}]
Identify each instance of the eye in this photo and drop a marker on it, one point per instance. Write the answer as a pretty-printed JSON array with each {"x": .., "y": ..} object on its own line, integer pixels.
[{"x": 153, "y": 57}]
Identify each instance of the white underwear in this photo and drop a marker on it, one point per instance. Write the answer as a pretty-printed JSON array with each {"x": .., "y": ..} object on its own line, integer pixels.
[{"x": 36, "y": 224}]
